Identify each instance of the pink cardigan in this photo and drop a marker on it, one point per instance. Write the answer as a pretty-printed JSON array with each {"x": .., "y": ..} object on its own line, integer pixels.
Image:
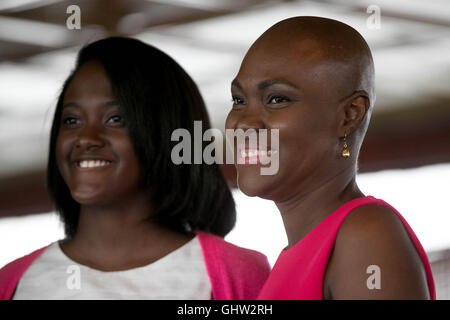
[{"x": 235, "y": 273}]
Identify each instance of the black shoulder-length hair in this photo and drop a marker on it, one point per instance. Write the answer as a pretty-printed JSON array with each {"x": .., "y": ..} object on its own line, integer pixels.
[{"x": 155, "y": 97}]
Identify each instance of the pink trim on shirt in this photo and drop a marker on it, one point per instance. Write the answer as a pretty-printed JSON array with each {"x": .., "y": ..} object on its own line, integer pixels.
[
  {"x": 13, "y": 271},
  {"x": 235, "y": 273}
]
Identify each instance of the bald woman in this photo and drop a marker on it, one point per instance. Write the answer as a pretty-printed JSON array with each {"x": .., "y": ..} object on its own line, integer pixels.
[{"x": 313, "y": 79}]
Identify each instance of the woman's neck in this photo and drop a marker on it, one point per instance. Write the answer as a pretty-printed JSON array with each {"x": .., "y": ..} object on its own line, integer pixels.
[{"x": 307, "y": 209}]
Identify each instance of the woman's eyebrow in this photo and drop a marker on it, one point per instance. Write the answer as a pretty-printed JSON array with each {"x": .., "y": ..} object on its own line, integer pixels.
[
  {"x": 270, "y": 82},
  {"x": 236, "y": 84},
  {"x": 266, "y": 83}
]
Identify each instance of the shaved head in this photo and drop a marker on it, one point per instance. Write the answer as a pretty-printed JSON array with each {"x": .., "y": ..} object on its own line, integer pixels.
[
  {"x": 337, "y": 51},
  {"x": 312, "y": 80}
]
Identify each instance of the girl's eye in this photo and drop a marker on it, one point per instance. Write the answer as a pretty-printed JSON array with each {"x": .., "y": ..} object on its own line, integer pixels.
[
  {"x": 70, "y": 121},
  {"x": 278, "y": 99},
  {"x": 116, "y": 120}
]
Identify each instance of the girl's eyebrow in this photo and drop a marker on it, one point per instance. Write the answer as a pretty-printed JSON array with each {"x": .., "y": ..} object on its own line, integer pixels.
[
  {"x": 71, "y": 104},
  {"x": 112, "y": 103}
]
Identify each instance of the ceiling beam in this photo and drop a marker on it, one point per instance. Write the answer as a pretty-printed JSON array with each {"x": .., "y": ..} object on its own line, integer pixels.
[{"x": 20, "y": 5}]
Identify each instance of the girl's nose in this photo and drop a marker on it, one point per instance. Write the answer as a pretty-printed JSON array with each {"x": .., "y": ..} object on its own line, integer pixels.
[{"x": 90, "y": 138}]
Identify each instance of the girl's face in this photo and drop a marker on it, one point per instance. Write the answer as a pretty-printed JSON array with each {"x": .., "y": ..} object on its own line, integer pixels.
[{"x": 94, "y": 153}]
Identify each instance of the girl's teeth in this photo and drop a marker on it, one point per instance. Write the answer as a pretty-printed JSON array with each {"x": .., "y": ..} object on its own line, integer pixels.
[{"x": 93, "y": 163}]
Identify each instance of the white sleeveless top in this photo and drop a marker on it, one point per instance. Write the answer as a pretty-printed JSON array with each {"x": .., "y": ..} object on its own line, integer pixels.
[{"x": 179, "y": 275}]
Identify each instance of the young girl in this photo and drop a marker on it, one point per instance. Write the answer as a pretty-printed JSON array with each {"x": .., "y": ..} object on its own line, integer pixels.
[{"x": 138, "y": 226}]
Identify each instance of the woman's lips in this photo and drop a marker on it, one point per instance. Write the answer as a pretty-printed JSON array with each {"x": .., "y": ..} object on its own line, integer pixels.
[{"x": 255, "y": 156}]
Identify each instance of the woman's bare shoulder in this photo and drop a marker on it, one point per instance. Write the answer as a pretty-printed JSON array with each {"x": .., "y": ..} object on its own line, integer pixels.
[{"x": 374, "y": 258}]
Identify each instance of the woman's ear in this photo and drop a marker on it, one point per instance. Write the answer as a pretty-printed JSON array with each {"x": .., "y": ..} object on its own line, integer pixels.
[{"x": 353, "y": 111}]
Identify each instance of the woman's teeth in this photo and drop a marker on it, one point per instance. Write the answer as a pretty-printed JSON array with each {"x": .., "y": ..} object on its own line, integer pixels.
[
  {"x": 254, "y": 153},
  {"x": 93, "y": 163}
]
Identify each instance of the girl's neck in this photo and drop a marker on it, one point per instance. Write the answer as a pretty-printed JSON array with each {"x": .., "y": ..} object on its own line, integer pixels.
[{"x": 111, "y": 237}]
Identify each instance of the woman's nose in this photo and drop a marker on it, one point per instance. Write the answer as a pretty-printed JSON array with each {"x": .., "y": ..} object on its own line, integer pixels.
[{"x": 250, "y": 119}]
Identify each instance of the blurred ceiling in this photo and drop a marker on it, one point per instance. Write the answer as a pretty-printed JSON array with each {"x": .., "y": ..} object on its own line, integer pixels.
[{"x": 411, "y": 121}]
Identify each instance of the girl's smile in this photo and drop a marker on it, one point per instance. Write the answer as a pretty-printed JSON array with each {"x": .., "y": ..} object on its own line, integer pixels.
[
  {"x": 92, "y": 164},
  {"x": 91, "y": 161}
]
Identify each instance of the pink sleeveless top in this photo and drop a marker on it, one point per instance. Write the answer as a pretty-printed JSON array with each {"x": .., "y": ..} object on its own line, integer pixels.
[{"x": 298, "y": 272}]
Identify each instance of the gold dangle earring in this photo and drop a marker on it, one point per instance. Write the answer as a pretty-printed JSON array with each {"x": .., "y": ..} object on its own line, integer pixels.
[{"x": 345, "y": 152}]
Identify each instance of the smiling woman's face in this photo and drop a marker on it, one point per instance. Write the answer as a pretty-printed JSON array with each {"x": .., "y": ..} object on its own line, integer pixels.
[
  {"x": 281, "y": 87},
  {"x": 94, "y": 153}
]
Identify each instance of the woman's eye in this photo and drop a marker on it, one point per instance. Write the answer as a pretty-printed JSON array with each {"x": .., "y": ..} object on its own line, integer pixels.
[
  {"x": 278, "y": 99},
  {"x": 237, "y": 100}
]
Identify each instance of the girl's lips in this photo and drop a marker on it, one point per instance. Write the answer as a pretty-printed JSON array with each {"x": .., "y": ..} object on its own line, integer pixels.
[{"x": 92, "y": 164}]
